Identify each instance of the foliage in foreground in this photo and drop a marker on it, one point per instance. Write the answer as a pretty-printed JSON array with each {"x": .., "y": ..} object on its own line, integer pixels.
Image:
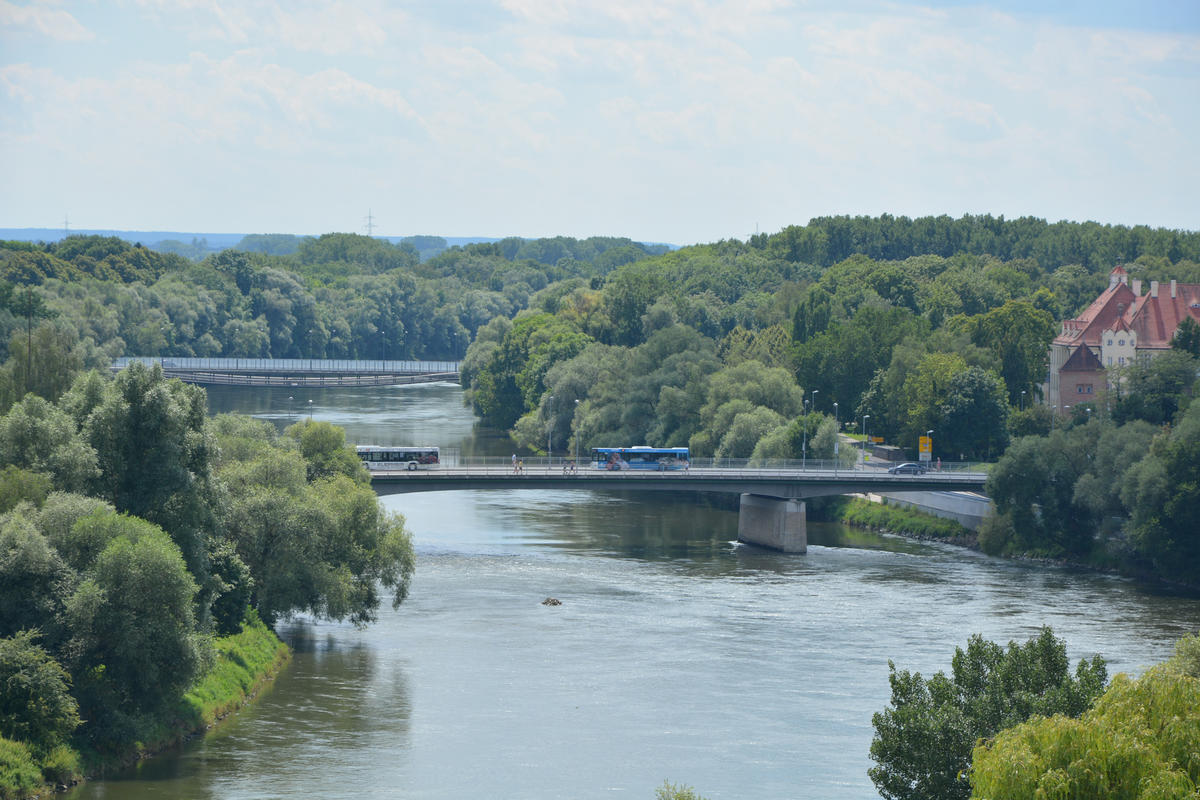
[
  {"x": 671, "y": 791},
  {"x": 1140, "y": 742},
  {"x": 923, "y": 742}
]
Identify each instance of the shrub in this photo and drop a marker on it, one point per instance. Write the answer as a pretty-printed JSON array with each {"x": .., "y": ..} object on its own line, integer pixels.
[{"x": 19, "y": 775}]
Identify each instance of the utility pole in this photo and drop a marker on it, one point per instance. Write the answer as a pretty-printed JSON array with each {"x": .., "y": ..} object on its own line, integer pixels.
[{"x": 370, "y": 223}]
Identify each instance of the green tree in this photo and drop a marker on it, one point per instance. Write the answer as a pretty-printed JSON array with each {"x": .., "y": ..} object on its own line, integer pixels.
[
  {"x": 33, "y": 578},
  {"x": 40, "y": 437},
  {"x": 923, "y": 742},
  {"x": 133, "y": 639},
  {"x": 29, "y": 304},
  {"x": 1019, "y": 334},
  {"x": 1163, "y": 493},
  {"x": 1157, "y": 389},
  {"x": 974, "y": 415},
  {"x": 36, "y": 706},
  {"x": 1187, "y": 336},
  {"x": 1139, "y": 741},
  {"x": 153, "y": 450}
]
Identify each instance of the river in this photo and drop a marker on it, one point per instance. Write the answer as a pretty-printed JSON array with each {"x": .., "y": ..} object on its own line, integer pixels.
[{"x": 676, "y": 654}]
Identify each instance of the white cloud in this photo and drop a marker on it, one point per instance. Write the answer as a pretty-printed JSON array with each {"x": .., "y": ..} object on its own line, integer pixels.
[
  {"x": 42, "y": 20},
  {"x": 628, "y": 113}
]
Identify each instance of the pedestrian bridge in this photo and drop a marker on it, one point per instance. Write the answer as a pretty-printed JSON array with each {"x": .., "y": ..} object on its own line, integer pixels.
[
  {"x": 296, "y": 371},
  {"x": 772, "y": 511}
]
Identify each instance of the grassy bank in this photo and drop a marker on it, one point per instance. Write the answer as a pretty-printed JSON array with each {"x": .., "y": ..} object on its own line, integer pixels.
[
  {"x": 245, "y": 662},
  {"x": 907, "y": 521}
]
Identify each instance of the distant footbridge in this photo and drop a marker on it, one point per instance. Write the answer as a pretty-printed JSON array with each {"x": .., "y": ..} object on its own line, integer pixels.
[{"x": 311, "y": 372}]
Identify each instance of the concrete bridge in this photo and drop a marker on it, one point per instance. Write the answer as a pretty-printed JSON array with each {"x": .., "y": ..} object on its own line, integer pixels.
[
  {"x": 297, "y": 371},
  {"x": 771, "y": 507}
]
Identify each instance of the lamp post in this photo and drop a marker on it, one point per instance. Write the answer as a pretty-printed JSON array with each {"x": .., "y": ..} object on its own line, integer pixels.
[
  {"x": 865, "y": 437},
  {"x": 310, "y": 410},
  {"x": 576, "y": 435},
  {"x": 929, "y": 434},
  {"x": 804, "y": 437},
  {"x": 837, "y": 435},
  {"x": 1022, "y": 400},
  {"x": 291, "y": 409},
  {"x": 550, "y": 427}
]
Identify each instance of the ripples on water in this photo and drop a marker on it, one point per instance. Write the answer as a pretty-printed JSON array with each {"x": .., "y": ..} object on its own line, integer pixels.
[{"x": 676, "y": 654}]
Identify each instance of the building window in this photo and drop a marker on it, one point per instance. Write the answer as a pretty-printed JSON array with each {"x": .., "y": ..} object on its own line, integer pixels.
[
  {"x": 1121, "y": 361},
  {"x": 1110, "y": 342},
  {"x": 1083, "y": 388},
  {"x": 1110, "y": 361},
  {"x": 1121, "y": 343}
]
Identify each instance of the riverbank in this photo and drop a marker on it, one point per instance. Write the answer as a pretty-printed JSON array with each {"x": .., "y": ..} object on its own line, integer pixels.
[
  {"x": 245, "y": 664},
  {"x": 861, "y": 513}
]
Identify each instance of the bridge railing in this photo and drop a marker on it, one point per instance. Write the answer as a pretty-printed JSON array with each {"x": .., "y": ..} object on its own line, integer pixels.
[
  {"x": 558, "y": 465},
  {"x": 354, "y": 366}
]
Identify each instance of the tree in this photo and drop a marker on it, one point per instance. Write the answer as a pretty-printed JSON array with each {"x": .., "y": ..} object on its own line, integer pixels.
[
  {"x": 1163, "y": 493},
  {"x": 1020, "y": 335},
  {"x": 40, "y": 437},
  {"x": 322, "y": 547},
  {"x": 33, "y": 578},
  {"x": 36, "y": 706},
  {"x": 1187, "y": 336},
  {"x": 153, "y": 450},
  {"x": 30, "y": 304},
  {"x": 1139, "y": 741},
  {"x": 923, "y": 742},
  {"x": 132, "y": 628},
  {"x": 1157, "y": 389},
  {"x": 974, "y": 415}
]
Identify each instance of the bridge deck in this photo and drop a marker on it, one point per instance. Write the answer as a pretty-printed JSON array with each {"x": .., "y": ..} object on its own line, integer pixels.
[{"x": 783, "y": 483}]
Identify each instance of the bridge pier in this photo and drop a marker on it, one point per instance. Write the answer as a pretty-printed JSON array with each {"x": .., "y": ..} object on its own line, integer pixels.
[{"x": 773, "y": 522}]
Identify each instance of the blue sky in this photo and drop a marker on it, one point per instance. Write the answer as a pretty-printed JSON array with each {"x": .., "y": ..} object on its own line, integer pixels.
[{"x": 680, "y": 121}]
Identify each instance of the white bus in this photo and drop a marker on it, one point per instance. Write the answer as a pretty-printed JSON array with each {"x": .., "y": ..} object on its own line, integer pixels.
[{"x": 377, "y": 458}]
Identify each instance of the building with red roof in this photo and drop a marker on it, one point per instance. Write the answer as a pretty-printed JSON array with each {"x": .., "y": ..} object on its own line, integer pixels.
[{"x": 1121, "y": 326}]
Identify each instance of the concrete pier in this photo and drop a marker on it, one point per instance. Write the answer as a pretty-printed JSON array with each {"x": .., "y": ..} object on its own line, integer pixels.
[{"x": 773, "y": 522}]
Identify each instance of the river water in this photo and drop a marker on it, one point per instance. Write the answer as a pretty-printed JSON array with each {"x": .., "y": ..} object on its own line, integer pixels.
[{"x": 676, "y": 654}]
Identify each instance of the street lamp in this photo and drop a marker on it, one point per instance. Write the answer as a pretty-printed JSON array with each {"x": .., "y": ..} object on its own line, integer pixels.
[
  {"x": 837, "y": 435},
  {"x": 865, "y": 437},
  {"x": 804, "y": 439},
  {"x": 310, "y": 410},
  {"x": 577, "y": 434},
  {"x": 1022, "y": 399},
  {"x": 291, "y": 409},
  {"x": 929, "y": 435},
  {"x": 550, "y": 427}
]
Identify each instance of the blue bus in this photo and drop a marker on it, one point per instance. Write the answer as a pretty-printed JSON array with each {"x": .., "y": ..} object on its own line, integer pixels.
[{"x": 641, "y": 457}]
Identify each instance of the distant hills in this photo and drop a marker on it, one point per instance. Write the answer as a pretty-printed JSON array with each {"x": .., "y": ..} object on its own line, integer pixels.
[{"x": 214, "y": 242}]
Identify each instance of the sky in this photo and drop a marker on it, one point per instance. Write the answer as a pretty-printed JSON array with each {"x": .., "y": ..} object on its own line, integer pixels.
[{"x": 679, "y": 121}]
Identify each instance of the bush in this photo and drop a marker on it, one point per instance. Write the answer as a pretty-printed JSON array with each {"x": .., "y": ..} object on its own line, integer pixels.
[
  {"x": 669, "y": 791},
  {"x": 19, "y": 775},
  {"x": 61, "y": 766},
  {"x": 866, "y": 514},
  {"x": 996, "y": 534}
]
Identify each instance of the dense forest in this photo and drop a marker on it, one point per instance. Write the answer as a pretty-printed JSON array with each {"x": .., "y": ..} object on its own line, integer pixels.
[
  {"x": 138, "y": 537},
  {"x": 764, "y": 349}
]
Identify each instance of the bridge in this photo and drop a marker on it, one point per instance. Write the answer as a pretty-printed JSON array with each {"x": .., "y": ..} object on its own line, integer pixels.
[
  {"x": 296, "y": 371},
  {"x": 771, "y": 506}
]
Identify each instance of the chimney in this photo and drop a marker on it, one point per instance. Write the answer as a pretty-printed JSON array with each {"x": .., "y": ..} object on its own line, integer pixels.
[
  {"x": 1172, "y": 288},
  {"x": 1137, "y": 286},
  {"x": 1154, "y": 288}
]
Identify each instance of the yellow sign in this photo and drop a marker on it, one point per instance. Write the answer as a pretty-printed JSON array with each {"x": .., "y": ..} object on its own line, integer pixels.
[{"x": 925, "y": 444}]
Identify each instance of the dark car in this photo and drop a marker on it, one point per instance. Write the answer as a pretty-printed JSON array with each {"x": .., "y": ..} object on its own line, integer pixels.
[{"x": 908, "y": 469}]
